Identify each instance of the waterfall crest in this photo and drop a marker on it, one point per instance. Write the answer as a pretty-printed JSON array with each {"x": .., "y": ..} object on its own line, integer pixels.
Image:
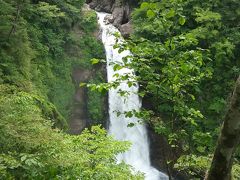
[{"x": 138, "y": 155}]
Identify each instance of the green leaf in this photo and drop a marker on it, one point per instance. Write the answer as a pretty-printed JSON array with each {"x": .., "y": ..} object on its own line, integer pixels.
[
  {"x": 201, "y": 149},
  {"x": 118, "y": 113},
  {"x": 82, "y": 84},
  {"x": 130, "y": 124},
  {"x": 95, "y": 61},
  {"x": 130, "y": 84},
  {"x": 144, "y": 5},
  {"x": 151, "y": 13},
  {"x": 181, "y": 20},
  {"x": 117, "y": 67},
  {"x": 129, "y": 114},
  {"x": 141, "y": 94},
  {"x": 23, "y": 158},
  {"x": 170, "y": 13}
]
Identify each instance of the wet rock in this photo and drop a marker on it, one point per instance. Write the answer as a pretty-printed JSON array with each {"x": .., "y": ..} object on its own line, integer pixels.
[
  {"x": 118, "y": 13},
  {"x": 120, "y": 9},
  {"x": 127, "y": 13},
  {"x": 126, "y": 29},
  {"x": 101, "y": 5},
  {"x": 109, "y": 19},
  {"x": 79, "y": 119},
  {"x": 161, "y": 153}
]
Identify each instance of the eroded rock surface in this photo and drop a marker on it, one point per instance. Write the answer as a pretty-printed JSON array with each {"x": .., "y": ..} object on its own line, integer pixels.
[
  {"x": 120, "y": 10},
  {"x": 101, "y": 5},
  {"x": 126, "y": 29},
  {"x": 79, "y": 118}
]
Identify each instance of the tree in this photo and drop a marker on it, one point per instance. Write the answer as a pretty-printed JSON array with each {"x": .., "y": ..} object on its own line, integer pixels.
[
  {"x": 31, "y": 149},
  {"x": 228, "y": 140},
  {"x": 184, "y": 52},
  {"x": 36, "y": 46}
]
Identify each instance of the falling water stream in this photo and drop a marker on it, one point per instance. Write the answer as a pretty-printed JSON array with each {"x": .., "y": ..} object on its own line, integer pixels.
[{"x": 138, "y": 155}]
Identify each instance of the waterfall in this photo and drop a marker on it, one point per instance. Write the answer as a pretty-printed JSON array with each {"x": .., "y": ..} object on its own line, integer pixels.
[{"x": 138, "y": 155}]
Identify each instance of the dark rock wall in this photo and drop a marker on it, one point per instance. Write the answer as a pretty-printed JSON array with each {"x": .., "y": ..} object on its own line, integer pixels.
[
  {"x": 161, "y": 153},
  {"x": 79, "y": 119},
  {"x": 101, "y": 5}
]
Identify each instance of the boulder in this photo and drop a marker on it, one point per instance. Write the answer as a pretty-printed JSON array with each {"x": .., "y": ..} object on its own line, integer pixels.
[
  {"x": 101, "y": 5},
  {"x": 109, "y": 19},
  {"x": 118, "y": 13},
  {"x": 126, "y": 29},
  {"x": 120, "y": 9}
]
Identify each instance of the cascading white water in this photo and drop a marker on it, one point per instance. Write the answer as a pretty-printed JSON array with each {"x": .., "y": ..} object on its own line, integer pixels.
[{"x": 138, "y": 155}]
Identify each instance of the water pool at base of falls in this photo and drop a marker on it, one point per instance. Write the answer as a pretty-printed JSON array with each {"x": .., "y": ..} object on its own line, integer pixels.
[{"x": 138, "y": 155}]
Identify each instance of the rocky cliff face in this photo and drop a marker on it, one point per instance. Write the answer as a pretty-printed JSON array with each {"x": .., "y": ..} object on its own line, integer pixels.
[{"x": 120, "y": 10}]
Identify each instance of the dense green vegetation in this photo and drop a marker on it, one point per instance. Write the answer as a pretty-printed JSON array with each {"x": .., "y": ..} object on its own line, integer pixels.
[
  {"x": 31, "y": 149},
  {"x": 40, "y": 44},
  {"x": 186, "y": 54},
  {"x": 186, "y": 59},
  {"x": 96, "y": 103}
]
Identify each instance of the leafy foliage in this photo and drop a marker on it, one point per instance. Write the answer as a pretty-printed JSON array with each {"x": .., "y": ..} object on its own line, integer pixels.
[
  {"x": 40, "y": 42},
  {"x": 183, "y": 56},
  {"x": 31, "y": 149},
  {"x": 40, "y": 49},
  {"x": 96, "y": 102}
]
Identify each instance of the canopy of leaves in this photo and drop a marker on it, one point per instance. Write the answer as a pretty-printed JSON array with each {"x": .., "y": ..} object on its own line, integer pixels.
[{"x": 31, "y": 149}]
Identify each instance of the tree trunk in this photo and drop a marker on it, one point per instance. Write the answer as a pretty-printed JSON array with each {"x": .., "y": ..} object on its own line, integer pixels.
[{"x": 228, "y": 141}]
